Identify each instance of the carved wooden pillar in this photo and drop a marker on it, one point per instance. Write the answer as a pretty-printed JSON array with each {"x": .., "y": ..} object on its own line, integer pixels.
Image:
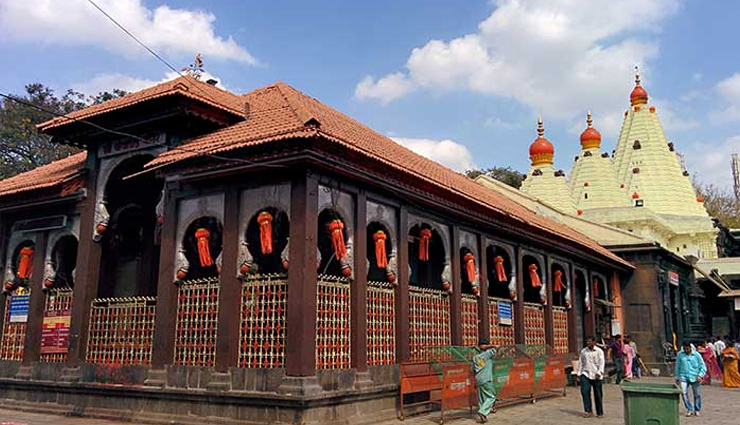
[
  {"x": 590, "y": 319},
  {"x": 300, "y": 350},
  {"x": 484, "y": 325},
  {"x": 229, "y": 309},
  {"x": 359, "y": 291},
  {"x": 34, "y": 323},
  {"x": 402, "y": 291},
  {"x": 456, "y": 297},
  {"x": 572, "y": 318},
  {"x": 616, "y": 291},
  {"x": 519, "y": 310},
  {"x": 166, "y": 311}
]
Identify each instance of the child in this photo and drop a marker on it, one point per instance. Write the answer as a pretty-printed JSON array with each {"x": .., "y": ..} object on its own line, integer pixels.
[{"x": 483, "y": 368}]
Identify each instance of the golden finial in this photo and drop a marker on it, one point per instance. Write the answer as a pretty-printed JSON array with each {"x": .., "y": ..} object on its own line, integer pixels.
[
  {"x": 589, "y": 120},
  {"x": 637, "y": 75},
  {"x": 540, "y": 127}
]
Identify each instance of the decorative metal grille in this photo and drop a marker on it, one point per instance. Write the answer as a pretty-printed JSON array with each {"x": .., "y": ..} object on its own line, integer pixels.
[
  {"x": 560, "y": 324},
  {"x": 469, "y": 320},
  {"x": 263, "y": 319},
  {"x": 197, "y": 322},
  {"x": 332, "y": 322},
  {"x": 121, "y": 330},
  {"x": 429, "y": 321},
  {"x": 57, "y": 300},
  {"x": 381, "y": 323},
  {"x": 14, "y": 337},
  {"x": 534, "y": 324},
  {"x": 500, "y": 334}
]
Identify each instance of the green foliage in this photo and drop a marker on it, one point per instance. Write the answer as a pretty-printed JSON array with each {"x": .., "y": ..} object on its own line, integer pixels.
[
  {"x": 720, "y": 203},
  {"x": 503, "y": 174},
  {"x": 22, "y": 148}
]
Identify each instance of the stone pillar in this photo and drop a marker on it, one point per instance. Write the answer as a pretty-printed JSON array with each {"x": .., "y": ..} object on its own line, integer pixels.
[
  {"x": 402, "y": 291},
  {"x": 359, "y": 290},
  {"x": 34, "y": 324},
  {"x": 456, "y": 297},
  {"x": 590, "y": 320},
  {"x": 484, "y": 325},
  {"x": 549, "y": 320},
  {"x": 572, "y": 318},
  {"x": 616, "y": 290},
  {"x": 519, "y": 309},
  {"x": 300, "y": 350}
]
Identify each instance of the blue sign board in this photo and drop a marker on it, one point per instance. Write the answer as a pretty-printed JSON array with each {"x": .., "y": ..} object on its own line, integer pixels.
[
  {"x": 19, "y": 308},
  {"x": 505, "y": 316}
]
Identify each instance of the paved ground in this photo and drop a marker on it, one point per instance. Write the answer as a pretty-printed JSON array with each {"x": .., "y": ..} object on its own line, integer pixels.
[{"x": 720, "y": 408}]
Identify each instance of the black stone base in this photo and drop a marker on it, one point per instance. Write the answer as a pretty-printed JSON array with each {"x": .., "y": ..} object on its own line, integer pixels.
[{"x": 194, "y": 395}]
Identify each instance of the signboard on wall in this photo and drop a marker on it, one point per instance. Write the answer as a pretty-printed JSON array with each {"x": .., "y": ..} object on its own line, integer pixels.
[
  {"x": 616, "y": 327},
  {"x": 505, "y": 316},
  {"x": 55, "y": 331},
  {"x": 673, "y": 278},
  {"x": 19, "y": 308}
]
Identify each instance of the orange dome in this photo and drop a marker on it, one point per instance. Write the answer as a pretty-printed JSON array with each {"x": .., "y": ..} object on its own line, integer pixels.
[
  {"x": 638, "y": 95},
  {"x": 541, "y": 150},
  {"x": 590, "y": 138}
]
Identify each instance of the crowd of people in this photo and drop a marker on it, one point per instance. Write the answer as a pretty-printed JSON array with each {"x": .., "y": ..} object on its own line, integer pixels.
[{"x": 695, "y": 365}]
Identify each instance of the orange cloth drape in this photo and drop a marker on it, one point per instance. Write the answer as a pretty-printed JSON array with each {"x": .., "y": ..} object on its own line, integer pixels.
[
  {"x": 203, "y": 236},
  {"x": 265, "y": 221},
  {"x": 595, "y": 284},
  {"x": 557, "y": 281},
  {"x": 469, "y": 260},
  {"x": 424, "y": 236},
  {"x": 534, "y": 277},
  {"x": 500, "y": 271},
  {"x": 25, "y": 263},
  {"x": 336, "y": 228},
  {"x": 381, "y": 258}
]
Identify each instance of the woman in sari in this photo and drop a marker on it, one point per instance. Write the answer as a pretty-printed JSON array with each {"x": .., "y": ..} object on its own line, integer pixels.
[
  {"x": 629, "y": 357},
  {"x": 710, "y": 360},
  {"x": 731, "y": 378}
]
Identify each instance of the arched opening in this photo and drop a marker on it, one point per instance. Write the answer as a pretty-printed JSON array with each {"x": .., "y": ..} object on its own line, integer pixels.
[
  {"x": 330, "y": 244},
  {"x": 499, "y": 272},
  {"x": 426, "y": 257},
  {"x": 468, "y": 278},
  {"x": 271, "y": 226},
  {"x": 533, "y": 280},
  {"x": 21, "y": 264},
  {"x": 599, "y": 288},
  {"x": 130, "y": 256},
  {"x": 64, "y": 261},
  {"x": 203, "y": 242},
  {"x": 559, "y": 285},
  {"x": 602, "y": 307},
  {"x": 378, "y": 244}
]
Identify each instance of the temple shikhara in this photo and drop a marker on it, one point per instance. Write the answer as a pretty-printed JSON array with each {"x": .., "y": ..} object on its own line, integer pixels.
[{"x": 264, "y": 257}]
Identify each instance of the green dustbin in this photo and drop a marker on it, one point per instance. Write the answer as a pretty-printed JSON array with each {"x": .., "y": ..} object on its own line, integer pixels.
[{"x": 650, "y": 403}]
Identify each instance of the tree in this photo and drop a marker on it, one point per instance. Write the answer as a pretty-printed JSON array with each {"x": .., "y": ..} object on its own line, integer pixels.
[
  {"x": 503, "y": 174},
  {"x": 22, "y": 148},
  {"x": 720, "y": 203}
]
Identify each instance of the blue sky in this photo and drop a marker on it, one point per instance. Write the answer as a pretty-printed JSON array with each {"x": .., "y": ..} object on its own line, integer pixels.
[{"x": 460, "y": 81}]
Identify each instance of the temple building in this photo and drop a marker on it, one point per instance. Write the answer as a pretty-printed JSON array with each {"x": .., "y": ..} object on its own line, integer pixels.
[{"x": 263, "y": 257}]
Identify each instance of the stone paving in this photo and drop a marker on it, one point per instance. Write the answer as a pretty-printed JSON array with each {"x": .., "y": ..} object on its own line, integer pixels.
[{"x": 720, "y": 408}]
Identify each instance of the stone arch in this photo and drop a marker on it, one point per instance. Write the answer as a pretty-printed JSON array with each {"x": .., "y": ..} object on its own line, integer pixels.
[
  {"x": 329, "y": 264},
  {"x": 272, "y": 221},
  {"x": 375, "y": 273},
  {"x": 431, "y": 272},
  {"x": 496, "y": 287},
  {"x": 532, "y": 292}
]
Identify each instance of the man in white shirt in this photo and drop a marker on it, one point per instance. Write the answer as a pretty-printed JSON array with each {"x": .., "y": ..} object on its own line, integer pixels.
[
  {"x": 719, "y": 346},
  {"x": 589, "y": 374}
]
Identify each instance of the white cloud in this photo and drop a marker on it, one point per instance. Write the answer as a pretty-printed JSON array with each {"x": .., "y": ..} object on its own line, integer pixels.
[
  {"x": 385, "y": 90},
  {"x": 729, "y": 95},
  {"x": 168, "y": 31},
  {"x": 498, "y": 123},
  {"x": 673, "y": 118},
  {"x": 447, "y": 152},
  {"x": 128, "y": 83},
  {"x": 711, "y": 161},
  {"x": 560, "y": 57}
]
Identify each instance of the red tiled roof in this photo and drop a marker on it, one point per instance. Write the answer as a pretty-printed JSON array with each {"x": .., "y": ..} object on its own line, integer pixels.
[
  {"x": 279, "y": 112},
  {"x": 186, "y": 86},
  {"x": 48, "y": 175}
]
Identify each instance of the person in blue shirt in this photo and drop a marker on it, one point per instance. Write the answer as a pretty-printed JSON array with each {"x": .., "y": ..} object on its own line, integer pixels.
[
  {"x": 689, "y": 370},
  {"x": 483, "y": 368}
]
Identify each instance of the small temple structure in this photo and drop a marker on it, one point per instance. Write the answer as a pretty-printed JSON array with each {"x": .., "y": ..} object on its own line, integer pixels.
[{"x": 263, "y": 257}]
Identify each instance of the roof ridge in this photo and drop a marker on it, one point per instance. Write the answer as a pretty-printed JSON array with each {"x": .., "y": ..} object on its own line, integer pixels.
[{"x": 305, "y": 117}]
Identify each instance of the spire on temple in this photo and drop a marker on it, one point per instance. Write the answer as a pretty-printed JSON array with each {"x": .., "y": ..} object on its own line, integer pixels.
[
  {"x": 590, "y": 138},
  {"x": 638, "y": 96},
  {"x": 541, "y": 151}
]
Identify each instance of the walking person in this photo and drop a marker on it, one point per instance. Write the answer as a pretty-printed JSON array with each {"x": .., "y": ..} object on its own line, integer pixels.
[
  {"x": 731, "y": 377},
  {"x": 710, "y": 361},
  {"x": 483, "y": 368},
  {"x": 629, "y": 358},
  {"x": 719, "y": 347},
  {"x": 636, "y": 369},
  {"x": 589, "y": 375},
  {"x": 689, "y": 371},
  {"x": 615, "y": 346}
]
